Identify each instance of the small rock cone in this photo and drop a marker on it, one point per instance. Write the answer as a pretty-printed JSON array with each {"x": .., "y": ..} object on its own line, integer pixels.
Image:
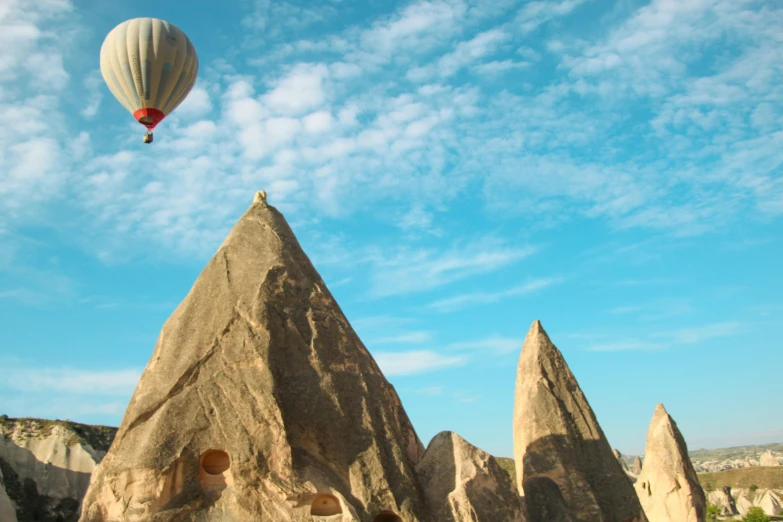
[
  {"x": 557, "y": 436},
  {"x": 668, "y": 486}
]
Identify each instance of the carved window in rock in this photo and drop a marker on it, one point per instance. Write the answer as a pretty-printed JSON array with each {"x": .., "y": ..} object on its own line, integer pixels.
[
  {"x": 215, "y": 469},
  {"x": 325, "y": 506},
  {"x": 387, "y": 516}
]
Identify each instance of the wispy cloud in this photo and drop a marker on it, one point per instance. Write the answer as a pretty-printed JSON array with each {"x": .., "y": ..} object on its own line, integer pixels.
[
  {"x": 622, "y": 310},
  {"x": 72, "y": 381},
  {"x": 669, "y": 338},
  {"x": 408, "y": 270},
  {"x": 430, "y": 390},
  {"x": 404, "y": 338},
  {"x": 416, "y": 362},
  {"x": 494, "y": 345},
  {"x": 458, "y": 302},
  {"x": 700, "y": 334},
  {"x": 539, "y": 12}
]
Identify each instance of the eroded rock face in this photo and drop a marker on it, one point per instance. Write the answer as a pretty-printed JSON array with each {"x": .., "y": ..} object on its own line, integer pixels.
[
  {"x": 770, "y": 501},
  {"x": 259, "y": 362},
  {"x": 768, "y": 459},
  {"x": 619, "y": 457},
  {"x": 668, "y": 487},
  {"x": 637, "y": 466},
  {"x": 7, "y": 509},
  {"x": 545, "y": 502},
  {"x": 46, "y": 466},
  {"x": 556, "y": 435},
  {"x": 465, "y": 484}
]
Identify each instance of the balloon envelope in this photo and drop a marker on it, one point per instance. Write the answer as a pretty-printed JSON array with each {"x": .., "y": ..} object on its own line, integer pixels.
[{"x": 150, "y": 66}]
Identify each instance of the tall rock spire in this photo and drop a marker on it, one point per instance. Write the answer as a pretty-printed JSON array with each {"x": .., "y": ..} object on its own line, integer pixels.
[
  {"x": 668, "y": 486},
  {"x": 259, "y": 403},
  {"x": 557, "y": 437}
]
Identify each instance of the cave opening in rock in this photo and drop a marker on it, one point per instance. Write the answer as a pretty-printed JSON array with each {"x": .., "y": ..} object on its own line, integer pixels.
[
  {"x": 215, "y": 462},
  {"x": 387, "y": 516},
  {"x": 325, "y": 505}
]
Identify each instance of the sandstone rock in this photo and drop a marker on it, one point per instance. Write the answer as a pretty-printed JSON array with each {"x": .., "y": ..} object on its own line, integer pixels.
[
  {"x": 465, "y": 484},
  {"x": 724, "y": 500},
  {"x": 545, "y": 502},
  {"x": 47, "y": 465},
  {"x": 260, "y": 403},
  {"x": 619, "y": 457},
  {"x": 637, "y": 466},
  {"x": 768, "y": 459},
  {"x": 743, "y": 501},
  {"x": 7, "y": 510},
  {"x": 557, "y": 436},
  {"x": 747, "y": 462},
  {"x": 770, "y": 502},
  {"x": 668, "y": 487},
  {"x": 731, "y": 506}
]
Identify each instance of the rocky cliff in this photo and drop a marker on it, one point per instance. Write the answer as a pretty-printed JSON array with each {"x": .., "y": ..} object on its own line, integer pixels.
[{"x": 46, "y": 467}]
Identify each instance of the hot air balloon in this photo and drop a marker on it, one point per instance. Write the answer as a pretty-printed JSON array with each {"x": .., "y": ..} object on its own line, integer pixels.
[{"x": 150, "y": 66}]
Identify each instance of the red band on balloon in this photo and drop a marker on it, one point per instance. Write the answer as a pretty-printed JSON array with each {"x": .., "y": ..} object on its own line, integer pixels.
[{"x": 149, "y": 117}]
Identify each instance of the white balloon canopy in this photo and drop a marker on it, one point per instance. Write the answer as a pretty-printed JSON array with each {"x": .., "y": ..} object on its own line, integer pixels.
[{"x": 150, "y": 66}]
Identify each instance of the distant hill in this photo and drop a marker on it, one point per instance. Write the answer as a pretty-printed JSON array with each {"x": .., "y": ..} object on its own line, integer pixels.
[
  {"x": 762, "y": 478},
  {"x": 736, "y": 452}
]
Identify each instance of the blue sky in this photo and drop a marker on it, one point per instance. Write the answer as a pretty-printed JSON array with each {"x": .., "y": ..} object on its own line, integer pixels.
[{"x": 455, "y": 169}]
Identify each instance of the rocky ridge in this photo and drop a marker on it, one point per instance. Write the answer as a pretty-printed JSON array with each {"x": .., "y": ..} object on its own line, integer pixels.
[{"x": 47, "y": 465}]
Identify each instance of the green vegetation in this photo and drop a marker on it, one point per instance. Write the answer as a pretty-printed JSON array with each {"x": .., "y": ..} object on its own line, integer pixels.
[
  {"x": 737, "y": 452},
  {"x": 99, "y": 437},
  {"x": 712, "y": 512},
  {"x": 756, "y": 514},
  {"x": 753, "y": 488},
  {"x": 508, "y": 465},
  {"x": 758, "y": 477}
]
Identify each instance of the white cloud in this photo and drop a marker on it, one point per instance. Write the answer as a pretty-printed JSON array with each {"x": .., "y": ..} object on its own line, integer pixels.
[
  {"x": 499, "y": 66},
  {"x": 32, "y": 126},
  {"x": 451, "y": 304},
  {"x": 495, "y": 344},
  {"x": 430, "y": 390},
  {"x": 539, "y": 12},
  {"x": 415, "y": 362},
  {"x": 300, "y": 90},
  {"x": 664, "y": 339},
  {"x": 93, "y": 84},
  {"x": 273, "y": 19},
  {"x": 339, "y": 133},
  {"x": 464, "y": 54},
  {"x": 418, "y": 28},
  {"x": 699, "y": 334},
  {"x": 197, "y": 104},
  {"x": 407, "y": 270},
  {"x": 404, "y": 338},
  {"x": 72, "y": 381},
  {"x": 317, "y": 122}
]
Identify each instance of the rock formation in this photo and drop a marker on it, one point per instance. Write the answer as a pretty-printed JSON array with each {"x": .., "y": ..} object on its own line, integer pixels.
[
  {"x": 7, "y": 509},
  {"x": 724, "y": 500},
  {"x": 619, "y": 457},
  {"x": 545, "y": 502},
  {"x": 47, "y": 465},
  {"x": 770, "y": 501},
  {"x": 260, "y": 403},
  {"x": 557, "y": 436},
  {"x": 465, "y": 484},
  {"x": 747, "y": 462},
  {"x": 768, "y": 459},
  {"x": 730, "y": 505},
  {"x": 637, "y": 466},
  {"x": 668, "y": 487},
  {"x": 737, "y": 501}
]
